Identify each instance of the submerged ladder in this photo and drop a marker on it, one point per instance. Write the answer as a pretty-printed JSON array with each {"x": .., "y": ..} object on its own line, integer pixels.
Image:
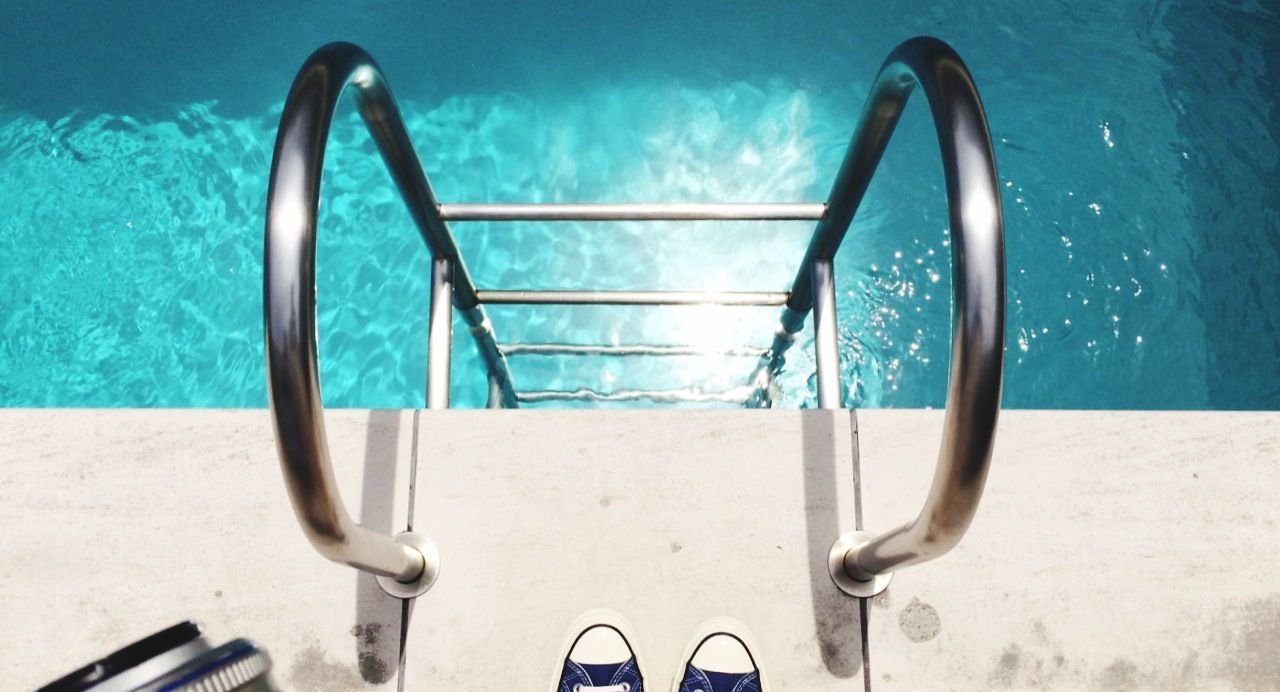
[
  {"x": 860, "y": 564},
  {"x": 447, "y": 280}
]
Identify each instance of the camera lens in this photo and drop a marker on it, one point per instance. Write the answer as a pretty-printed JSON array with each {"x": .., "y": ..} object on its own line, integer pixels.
[{"x": 179, "y": 659}]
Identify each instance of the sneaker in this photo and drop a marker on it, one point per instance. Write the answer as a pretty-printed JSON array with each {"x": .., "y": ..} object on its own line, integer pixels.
[
  {"x": 598, "y": 657},
  {"x": 720, "y": 659}
]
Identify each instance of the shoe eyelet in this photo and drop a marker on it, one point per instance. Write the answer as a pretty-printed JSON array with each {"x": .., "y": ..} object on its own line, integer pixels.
[
  {"x": 577, "y": 687},
  {"x": 626, "y": 687}
]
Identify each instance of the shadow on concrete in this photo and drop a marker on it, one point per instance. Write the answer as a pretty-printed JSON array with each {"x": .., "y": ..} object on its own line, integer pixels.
[
  {"x": 378, "y": 616},
  {"x": 837, "y": 617}
]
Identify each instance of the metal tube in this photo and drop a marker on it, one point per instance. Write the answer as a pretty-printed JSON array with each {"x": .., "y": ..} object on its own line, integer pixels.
[
  {"x": 737, "y": 395},
  {"x": 498, "y": 372},
  {"x": 440, "y": 334},
  {"x": 293, "y": 377},
  {"x": 978, "y": 285},
  {"x": 766, "y": 371},
  {"x": 495, "y": 394},
  {"x": 631, "y": 298},
  {"x": 632, "y": 212},
  {"x": 626, "y": 350},
  {"x": 825, "y": 337}
]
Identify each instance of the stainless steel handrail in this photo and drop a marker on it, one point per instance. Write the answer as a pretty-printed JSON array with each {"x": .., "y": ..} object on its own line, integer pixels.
[
  {"x": 633, "y": 212},
  {"x": 861, "y": 564},
  {"x": 738, "y": 298},
  {"x": 289, "y": 300},
  {"x": 521, "y": 349},
  {"x": 662, "y": 396}
]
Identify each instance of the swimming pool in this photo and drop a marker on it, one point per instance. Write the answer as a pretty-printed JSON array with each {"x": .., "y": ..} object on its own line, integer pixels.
[{"x": 1137, "y": 143}]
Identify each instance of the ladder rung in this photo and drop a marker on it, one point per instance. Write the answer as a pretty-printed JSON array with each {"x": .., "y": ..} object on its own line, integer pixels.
[
  {"x": 627, "y": 350},
  {"x": 632, "y": 297},
  {"x": 738, "y": 395},
  {"x": 633, "y": 212}
]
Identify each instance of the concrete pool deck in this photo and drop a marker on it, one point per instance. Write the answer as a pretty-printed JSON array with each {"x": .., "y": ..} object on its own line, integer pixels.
[{"x": 1112, "y": 550}]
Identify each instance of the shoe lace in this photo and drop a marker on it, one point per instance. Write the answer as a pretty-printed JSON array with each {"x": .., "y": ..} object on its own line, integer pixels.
[{"x": 623, "y": 687}]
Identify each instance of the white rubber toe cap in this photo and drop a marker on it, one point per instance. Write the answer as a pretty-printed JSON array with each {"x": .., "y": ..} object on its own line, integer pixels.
[
  {"x": 723, "y": 653},
  {"x": 601, "y": 644}
]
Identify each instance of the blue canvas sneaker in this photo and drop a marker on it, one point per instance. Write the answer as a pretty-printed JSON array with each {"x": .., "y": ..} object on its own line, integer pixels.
[
  {"x": 598, "y": 656},
  {"x": 719, "y": 658}
]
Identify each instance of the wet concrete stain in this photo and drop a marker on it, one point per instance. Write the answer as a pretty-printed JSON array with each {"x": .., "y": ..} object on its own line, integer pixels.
[
  {"x": 1036, "y": 662},
  {"x": 676, "y": 547},
  {"x": 838, "y": 638},
  {"x": 919, "y": 621},
  {"x": 367, "y": 634},
  {"x": 1040, "y": 633},
  {"x": 1251, "y": 637},
  {"x": 1121, "y": 675},
  {"x": 1006, "y": 667},
  {"x": 372, "y": 668},
  {"x": 1239, "y": 651},
  {"x": 312, "y": 670}
]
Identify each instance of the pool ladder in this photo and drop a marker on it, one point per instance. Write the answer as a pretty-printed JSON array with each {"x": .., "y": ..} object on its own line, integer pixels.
[{"x": 860, "y": 564}]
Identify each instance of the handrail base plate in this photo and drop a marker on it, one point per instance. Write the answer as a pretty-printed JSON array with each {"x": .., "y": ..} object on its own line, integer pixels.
[
  {"x": 430, "y": 571},
  {"x": 847, "y": 584}
]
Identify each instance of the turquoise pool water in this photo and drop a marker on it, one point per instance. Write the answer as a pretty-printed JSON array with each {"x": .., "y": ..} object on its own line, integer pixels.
[{"x": 1137, "y": 143}]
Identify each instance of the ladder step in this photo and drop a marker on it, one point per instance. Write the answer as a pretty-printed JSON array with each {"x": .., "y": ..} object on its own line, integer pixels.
[
  {"x": 632, "y": 297},
  {"x": 627, "y": 350},
  {"x": 737, "y": 395},
  {"x": 633, "y": 212}
]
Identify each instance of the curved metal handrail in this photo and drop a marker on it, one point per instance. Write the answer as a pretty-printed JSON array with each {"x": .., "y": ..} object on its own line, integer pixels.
[
  {"x": 289, "y": 302},
  {"x": 861, "y": 563}
]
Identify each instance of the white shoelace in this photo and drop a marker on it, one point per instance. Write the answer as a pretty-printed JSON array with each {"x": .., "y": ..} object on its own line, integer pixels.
[{"x": 624, "y": 687}]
